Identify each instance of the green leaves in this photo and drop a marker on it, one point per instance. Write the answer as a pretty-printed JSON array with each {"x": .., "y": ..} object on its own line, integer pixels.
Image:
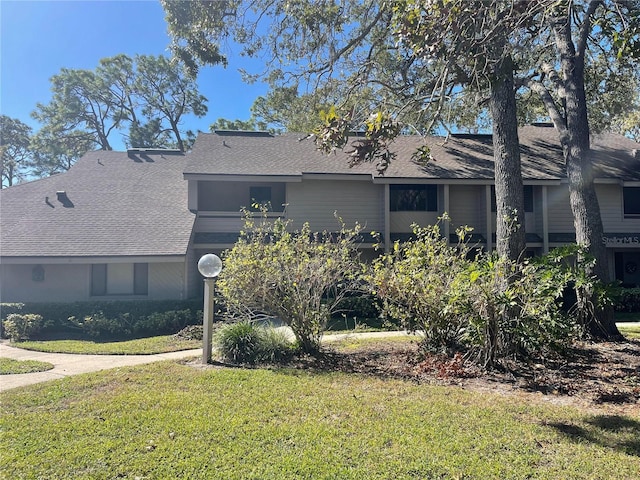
[{"x": 297, "y": 276}]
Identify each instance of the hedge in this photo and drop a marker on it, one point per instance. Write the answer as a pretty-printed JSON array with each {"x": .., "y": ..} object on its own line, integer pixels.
[{"x": 123, "y": 318}]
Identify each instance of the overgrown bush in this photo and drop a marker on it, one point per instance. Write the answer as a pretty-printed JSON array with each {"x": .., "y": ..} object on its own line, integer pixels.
[
  {"x": 486, "y": 306},
  {"x": 299, "y": 277},
  {"x": 19, "y": 327},
  {"x": 627, "y": 300},
  {"x": 245, "y": 342}
]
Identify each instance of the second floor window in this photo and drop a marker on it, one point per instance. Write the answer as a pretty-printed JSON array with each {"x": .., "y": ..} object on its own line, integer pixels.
[
  {"x": 413, "y": 198},
  {"x": 260, "y": 196},
  {"x": 631, "y": 200},
  {"x": 528, "y": 198}
]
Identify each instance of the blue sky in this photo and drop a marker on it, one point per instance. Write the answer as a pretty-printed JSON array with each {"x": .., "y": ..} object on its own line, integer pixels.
[{"x": 38, "y": 38}]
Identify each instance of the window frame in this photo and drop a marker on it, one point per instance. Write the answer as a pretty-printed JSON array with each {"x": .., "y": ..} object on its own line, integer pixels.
[{"x": 99, "y": 286}]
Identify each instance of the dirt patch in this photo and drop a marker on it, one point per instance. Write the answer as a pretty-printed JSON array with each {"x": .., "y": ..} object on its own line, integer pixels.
[{"x": 592, "y": 375}]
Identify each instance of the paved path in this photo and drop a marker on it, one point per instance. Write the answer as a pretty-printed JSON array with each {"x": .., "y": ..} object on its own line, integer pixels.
[{"x": 66, "y": 364}]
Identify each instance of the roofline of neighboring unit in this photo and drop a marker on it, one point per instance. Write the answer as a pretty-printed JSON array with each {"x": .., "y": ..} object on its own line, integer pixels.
[{"x": 78, "y": 259}]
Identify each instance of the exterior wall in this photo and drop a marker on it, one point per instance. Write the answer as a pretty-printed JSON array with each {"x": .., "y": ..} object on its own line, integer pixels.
[
  {"x": 232, "y": 196},
  {"x": 166, "y": 281},
  {"x": 72, "y": 283},
  {"x": 400, "y": 222},
  {"x": 315, "y": 201},
  {"x": 612, "y": 210},
  {"x": 212, "y": 222},
  {"x": 467, "y": 206},
  {"x": 559, "y": 209},
  {"x": 62, "y": 283}
]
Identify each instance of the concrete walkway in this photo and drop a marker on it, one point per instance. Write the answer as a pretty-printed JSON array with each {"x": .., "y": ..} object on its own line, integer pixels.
[{"x": 66, "y": 364}]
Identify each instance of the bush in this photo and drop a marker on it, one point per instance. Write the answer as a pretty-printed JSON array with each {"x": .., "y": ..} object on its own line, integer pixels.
[
  {"x": 120, "y": 318},
  {"x": 19, "y": 327},
  {"x": 247, "y": 343},
  {"x": 627, "y": 300},
  {"x": 300, "y": 277},
  {"x": 489, "y": 307}
]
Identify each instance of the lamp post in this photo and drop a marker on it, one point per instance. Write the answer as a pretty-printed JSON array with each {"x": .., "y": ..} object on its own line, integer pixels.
[{"x": 209, "y": 267}]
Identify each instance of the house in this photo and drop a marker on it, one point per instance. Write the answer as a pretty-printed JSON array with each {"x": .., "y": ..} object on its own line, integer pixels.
[
  {"x": 165, "y": 210},
  {"x": 116, "y": 225}
]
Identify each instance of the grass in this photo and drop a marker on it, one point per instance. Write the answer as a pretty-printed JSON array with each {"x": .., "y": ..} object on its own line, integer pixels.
[
  {"x": 9, "y": 366},
  {"x": 629, "y": 331},
  {"x": 139, "y": 346},
  {"x": 167, "y": 420}
]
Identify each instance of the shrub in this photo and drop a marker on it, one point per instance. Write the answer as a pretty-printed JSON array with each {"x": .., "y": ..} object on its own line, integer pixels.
[
  {"x": 114, "y": 317},
  {"x": 19, "y": 327},
  {"x": 489, "y": 306},
  {"x": 275, "y": 346},
  {"x": 300, "y": 277},
  {"x": 239, "y": 342},
  {"x": 418, "y": 285},
  {"x": 627, "y": 300},
  {"x": 248, "y": 343}
]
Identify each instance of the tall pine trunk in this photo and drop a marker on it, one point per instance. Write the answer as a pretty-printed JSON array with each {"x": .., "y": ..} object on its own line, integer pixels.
[
  {"x": 574, "y": 138},
  {"x": 510, "y": 233}
]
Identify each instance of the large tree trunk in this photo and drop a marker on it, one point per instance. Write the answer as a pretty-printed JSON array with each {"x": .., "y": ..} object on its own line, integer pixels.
[
  {"x": 582, "y": 194},
  {"x": 510, "y": 231}
]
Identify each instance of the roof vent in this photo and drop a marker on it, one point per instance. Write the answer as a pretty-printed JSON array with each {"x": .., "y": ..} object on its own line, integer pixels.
[
  {"x": 636, "y": 153},
  {"x": 62, "y": 195}
]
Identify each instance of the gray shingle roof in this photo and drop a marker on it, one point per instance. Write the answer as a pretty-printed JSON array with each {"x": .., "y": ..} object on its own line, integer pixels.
[
  {"x": 462, "y": 157},
  {"x": 115, "y": 205}
]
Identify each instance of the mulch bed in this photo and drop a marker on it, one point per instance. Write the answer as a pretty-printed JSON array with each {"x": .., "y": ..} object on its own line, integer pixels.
[{"x": 592, "y": 374}]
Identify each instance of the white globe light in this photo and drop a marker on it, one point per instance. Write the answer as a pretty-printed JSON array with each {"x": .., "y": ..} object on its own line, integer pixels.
[{"x": 210, "y": 265}]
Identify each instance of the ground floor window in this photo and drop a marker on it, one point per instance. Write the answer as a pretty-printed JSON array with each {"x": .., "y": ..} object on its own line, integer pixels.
[
  {"x": 119, "y": 279},
  {"x": 627, "y": 266}
]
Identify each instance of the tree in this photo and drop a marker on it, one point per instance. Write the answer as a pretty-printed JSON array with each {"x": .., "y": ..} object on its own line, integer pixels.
[
  {"x": 447, "y": 44},
  {"x": 15, "y": 152},
  {"x": 56, "y": 152},
  {"x": 250, "y": 125},
  {"x": 167, "y": 94},
  {"x": 143, "y": 99},
  {"x": 613, "y": 29}
]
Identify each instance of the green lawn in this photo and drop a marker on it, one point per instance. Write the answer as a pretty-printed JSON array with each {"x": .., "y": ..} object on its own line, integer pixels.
[
  {"x": 167, "y": 420},
  {"x": 629, "y": 332},
  {"x": 9, "y": 366},
  {"x": 139, "y": 346}
]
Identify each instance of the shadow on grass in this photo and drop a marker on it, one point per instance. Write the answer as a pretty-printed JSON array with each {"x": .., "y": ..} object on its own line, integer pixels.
[{"x": 611, "y": 431}]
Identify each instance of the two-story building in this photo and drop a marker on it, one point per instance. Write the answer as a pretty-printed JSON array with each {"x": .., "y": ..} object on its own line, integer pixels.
[{"x": 199, "y": 212}]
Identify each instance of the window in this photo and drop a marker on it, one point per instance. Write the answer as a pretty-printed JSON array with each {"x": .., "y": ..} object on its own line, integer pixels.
[
  {"x": 528, "y": 198},
  {"x": 413, "y": 198},
  {"x": 631, "y": 201},
  {"x": 260, "y": 196},
  {"x": 120, "y": 279}
]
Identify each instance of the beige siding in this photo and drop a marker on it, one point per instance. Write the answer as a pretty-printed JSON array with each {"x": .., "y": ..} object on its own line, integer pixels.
[
  {"x": 166, "y": 281},
  {"x": 62, "y": 283},
  {"x": 559, "y": 210},
  {"x": 218, "y": 223},
  {"x": 611, "y": 207},
  {"x": 467, "y": 207},
  {"x": 315, "y": 201},
  {"x": 400, "y": 222},
  {"x": 232, "y": 196}
]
